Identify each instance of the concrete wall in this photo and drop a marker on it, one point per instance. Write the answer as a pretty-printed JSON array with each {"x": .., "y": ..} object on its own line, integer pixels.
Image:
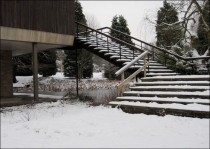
[{"x": 6, "y": 75}]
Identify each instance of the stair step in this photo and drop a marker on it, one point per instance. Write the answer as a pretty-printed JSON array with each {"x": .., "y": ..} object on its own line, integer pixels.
[
  {"x": 201, "y": 95},
  {"x": 163, "y": 100},
  {"x": 151, "y": 66},
  {"x": 190, "y": 110},
  {"x": 170, "y": 88},
  {"x": 161, "y": 74},
  {"x": 161, "y": 83},
  {"x": 177, "y": 78}
]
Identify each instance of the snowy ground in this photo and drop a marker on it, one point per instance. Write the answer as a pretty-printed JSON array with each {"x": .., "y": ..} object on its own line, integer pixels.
[
  {"x": 74, "y": 124},
  {"x": 65, "y": 124}
]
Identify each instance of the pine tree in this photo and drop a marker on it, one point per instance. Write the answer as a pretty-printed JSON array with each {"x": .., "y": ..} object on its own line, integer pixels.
[
  {"x": 47, "y": 63},
  {"x": 23, "y": 65},
  {"x": 203, "y": 39},
  {"x": 120, "y": 24},
  {"x": 85, "y": 63},
  {"x": 46, "y": 59},
  {"x": 168, "y": 35}
]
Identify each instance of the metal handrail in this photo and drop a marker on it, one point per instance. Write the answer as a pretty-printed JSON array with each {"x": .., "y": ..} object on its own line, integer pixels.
[
  {"x": 158, "y": 48},
  {"x": 113, "y": 38}
]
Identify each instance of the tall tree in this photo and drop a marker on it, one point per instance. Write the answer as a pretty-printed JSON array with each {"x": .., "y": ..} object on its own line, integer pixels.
[
  {"x": 120, "y": 23},
  {"x": 203, "y": 39},
  {"x": 85, "y": 64},
  {"x": 168, "y": 35}
]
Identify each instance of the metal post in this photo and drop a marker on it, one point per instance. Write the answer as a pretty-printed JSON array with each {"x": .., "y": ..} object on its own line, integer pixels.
[
  {"x": 77, "y": 30},
  {"x": 120, "y": 51},
  {"x": 35, "y": 70},
  {"x": 145, "y": 70},
  {"x": 86, "y": 29},
  {"x": 107, "y": 44},
  {"x": 77, "y": 78},
  {"x": 97, "y": 38},
  {"x": 148, "y": 61},
  {"x": 133, "y": 53},
  {"x": 164, "y": 58}
]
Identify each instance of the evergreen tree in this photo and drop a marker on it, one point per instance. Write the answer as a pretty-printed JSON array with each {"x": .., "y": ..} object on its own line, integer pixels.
[
  {"x": 46, "y": 59},
  {"x": 203, "y": 39},
  {"x": 85, "y": 63},
  {"x": 22, "y": 65},
  {"x": 168, "y": 35},
  {"x": 120, "y": 24},
  {"x": 47, "y": 63}
]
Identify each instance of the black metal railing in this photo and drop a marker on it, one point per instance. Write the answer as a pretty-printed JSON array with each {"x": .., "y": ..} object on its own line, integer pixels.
[
  {"x": 139, "y": 46},
  {"x": 110, "y": 42},
  {"x": 168, "y": 55}
]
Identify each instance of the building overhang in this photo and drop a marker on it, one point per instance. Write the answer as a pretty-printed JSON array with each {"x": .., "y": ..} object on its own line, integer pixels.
[{"x": 20, "y": 40}]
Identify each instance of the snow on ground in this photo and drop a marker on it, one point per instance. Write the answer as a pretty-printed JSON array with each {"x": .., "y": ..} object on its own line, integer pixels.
[
  {"x": 23, "y": 81},
  {"x": 71, "y": 125},
  {"x": 98, "y": 75}
]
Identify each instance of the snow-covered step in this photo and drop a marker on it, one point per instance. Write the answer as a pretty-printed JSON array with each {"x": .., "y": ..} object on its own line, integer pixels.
[
  {"x": 162, "y": 83},
  {"x": 151, "y": 66},
  {"x": 190, "y": 110},
  {"x": 164, "y": 100},
  {"x": 170, "y": 88},
  {"x": 160, "y": 70},
  {"x": 201, "y": 95},
  {"x": 177, "y": 78},
  {"x": 161, "y": 74}
]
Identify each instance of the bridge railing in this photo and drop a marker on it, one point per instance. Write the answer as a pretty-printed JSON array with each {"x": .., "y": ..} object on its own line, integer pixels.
[{"x": 167, "y": 55}]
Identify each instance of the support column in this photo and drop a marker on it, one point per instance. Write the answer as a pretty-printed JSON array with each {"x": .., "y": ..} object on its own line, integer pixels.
[
  {"x": 35, "y": 70},
  {"x": 6, "y": 76}
]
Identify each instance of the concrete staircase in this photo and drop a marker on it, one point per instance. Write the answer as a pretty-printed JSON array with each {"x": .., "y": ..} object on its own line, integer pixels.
[
  {"x": 162, "y": 91},
  {"x": 175, "y": 95}
]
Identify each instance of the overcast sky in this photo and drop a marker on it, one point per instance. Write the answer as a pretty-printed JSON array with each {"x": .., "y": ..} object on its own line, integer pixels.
[{"x": 133, "y": 11}]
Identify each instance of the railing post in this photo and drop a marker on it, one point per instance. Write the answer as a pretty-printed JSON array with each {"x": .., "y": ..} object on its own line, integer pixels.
[
  {"x": 107, "y": 44},
  {"x": 153, "y": 54},
  {"x": 86, "y": 29},
  {"x": 148, "y": 61},
  {"x": 123, "y": 76},
  {"x": 120, "y": 51},
  {"x": 133, "y": 53},
  {"x": 164, "y": 58},
  {"x": 145, "y": 69},
  {"x": 192, "y": 67},
  {"x": 77, "y": 30},
  {"x": 97, "y": 38}
]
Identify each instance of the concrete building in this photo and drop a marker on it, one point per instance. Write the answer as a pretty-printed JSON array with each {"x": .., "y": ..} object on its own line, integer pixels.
[{"x": 29, "y": 27}]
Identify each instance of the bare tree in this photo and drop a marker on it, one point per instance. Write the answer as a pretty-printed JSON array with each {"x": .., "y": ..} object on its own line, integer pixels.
[
  {"x": 189, "y": 9},
  {"x": 92, "y": 21}
]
